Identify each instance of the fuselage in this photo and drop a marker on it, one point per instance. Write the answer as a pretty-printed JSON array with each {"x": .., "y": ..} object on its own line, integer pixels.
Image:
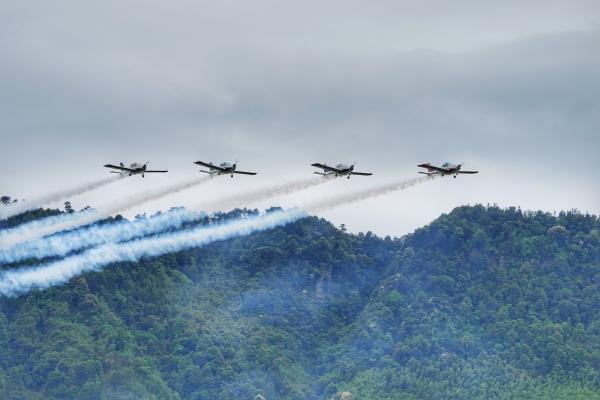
[
  {"x": 137, "y": 169},
  {"x": 451, "y": 169},
  {"x": 228, "y": 167},
  {"x": 344, "y": 168}
]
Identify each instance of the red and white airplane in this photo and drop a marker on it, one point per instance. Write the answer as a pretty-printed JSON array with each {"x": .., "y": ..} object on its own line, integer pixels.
[{"x": 447, "y": 168}]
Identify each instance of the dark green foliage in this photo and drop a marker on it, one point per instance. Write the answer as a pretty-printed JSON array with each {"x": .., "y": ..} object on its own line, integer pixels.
[
  {"x": 27, "y": 217},
  {"x": 481, "y": 303}
]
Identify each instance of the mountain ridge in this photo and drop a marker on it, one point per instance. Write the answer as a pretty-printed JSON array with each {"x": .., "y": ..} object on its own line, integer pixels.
[{"x": 307, "y": 310}]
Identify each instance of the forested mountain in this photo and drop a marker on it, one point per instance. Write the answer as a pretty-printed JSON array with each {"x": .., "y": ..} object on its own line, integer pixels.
[{"x": 481, "y": 303}]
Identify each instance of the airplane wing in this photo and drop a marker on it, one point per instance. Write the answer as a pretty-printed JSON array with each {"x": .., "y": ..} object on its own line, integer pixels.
[
  {"x": 244, "y": 173},
  {"x": 325, "y": 167},
  {"x": 120, "y": 168},
  {"x": 438, "y": 169},
  {"x": 207, "y": 165},
  {"x": 361, "y": 173},
  {"x": 149, "y": 171},
  {"x": 468, "y": 172}
]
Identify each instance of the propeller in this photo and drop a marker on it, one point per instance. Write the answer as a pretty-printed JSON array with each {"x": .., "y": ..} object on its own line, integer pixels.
[
  {"x": 235, "y": 163},
  {"x": 352, "y": 166}
]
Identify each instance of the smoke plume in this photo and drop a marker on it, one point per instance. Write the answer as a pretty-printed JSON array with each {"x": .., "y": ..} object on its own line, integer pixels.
[
  {"x": 355, "y": 196},
  {"x": 46, "y": 226},
  {"x": 253, "y": 196},
  {"x": 65, "y": 222},
  {"x": 62, "y": 244},
  {"x": 154, "y": 194},
  {"x": 23, "y": 206},
  {"x": 14, "y": 282}
]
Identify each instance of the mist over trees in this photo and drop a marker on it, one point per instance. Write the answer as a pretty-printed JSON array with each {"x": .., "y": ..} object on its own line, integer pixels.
[{"x": 481, "y": 303}]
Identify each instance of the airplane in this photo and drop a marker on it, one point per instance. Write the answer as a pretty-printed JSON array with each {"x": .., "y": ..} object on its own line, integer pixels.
[
  {"x": 447, "y": 168},
  {"x": 133, "y": 169},
  {"x": 339, "y": 170},
  {"x": 223, "y": 168}
]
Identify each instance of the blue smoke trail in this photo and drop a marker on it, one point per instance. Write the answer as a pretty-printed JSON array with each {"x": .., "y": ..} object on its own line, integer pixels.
[
  {"x": 47, "y": 226},
  {"x": 64, "y": 243},
  {"x": 22, "y": 280},
  {"x": 50, "y": 225}
]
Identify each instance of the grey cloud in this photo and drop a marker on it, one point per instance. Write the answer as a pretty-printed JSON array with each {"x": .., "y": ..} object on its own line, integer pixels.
[{"x": 280, "y": 86}]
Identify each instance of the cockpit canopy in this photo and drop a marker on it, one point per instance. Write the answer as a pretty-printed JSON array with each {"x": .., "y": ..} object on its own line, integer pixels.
[
  {"x": 447, "y": 164},
  {"x": 134, "y": 165},
  {"x": 224, "y": 164}
]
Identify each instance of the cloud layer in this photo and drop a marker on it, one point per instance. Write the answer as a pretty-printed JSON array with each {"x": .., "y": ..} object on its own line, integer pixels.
[{"x": 512, "y": 88}]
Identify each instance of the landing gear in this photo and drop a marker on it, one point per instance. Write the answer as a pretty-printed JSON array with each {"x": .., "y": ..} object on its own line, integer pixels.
[
  {"x": 232, "y": 175},
  {"x": 129, "y": 174},
  {"x": 454, "y": 176},
  {"x": 348, "y": 176},
  {"x": 142, "y": 175}
]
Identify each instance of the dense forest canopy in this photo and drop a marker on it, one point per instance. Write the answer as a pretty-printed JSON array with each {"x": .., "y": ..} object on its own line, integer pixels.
[{"x": 483, "y": 303}]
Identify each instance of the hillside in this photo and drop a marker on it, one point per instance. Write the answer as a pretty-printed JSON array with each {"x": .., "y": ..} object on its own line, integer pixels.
[{"x": 481, "y": 303}]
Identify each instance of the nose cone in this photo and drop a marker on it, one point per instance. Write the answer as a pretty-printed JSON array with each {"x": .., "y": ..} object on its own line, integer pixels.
[{"x": 234, "y": 166}]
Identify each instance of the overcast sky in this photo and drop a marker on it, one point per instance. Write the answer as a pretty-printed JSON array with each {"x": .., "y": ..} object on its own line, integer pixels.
[{"x": 512, "y": 88}]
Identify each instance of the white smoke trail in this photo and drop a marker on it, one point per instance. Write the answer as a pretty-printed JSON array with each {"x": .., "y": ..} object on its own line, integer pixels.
[
  {"x": 253, "y": 196},
  {"x": 63, "y": 244},
  {"x": 23, "y": 206},
  {"x": 58, "y": 245},
  {"x": 154, "y": 194},
  {"x": 359, "y": 195},
  {"x": 65, "y": 222},
  {"x": 46, "y": 226},
  {"x": 14, "y": 282}
]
